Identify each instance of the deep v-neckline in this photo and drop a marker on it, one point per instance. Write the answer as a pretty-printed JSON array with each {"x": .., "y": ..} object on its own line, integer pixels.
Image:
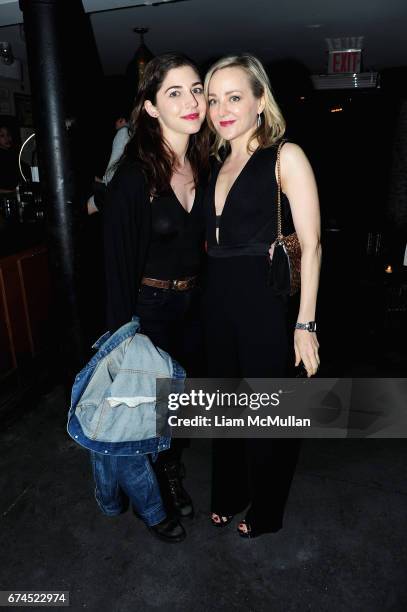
[
  {"x": 188, "y": 212},
  {"x": 232, "y": 185}
]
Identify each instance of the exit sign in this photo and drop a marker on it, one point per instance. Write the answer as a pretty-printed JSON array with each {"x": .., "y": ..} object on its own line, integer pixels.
[{"x": 348, "y": 60}]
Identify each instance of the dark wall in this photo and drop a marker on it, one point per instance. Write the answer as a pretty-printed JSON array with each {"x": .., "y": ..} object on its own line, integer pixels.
[
  {"x": 84, "y": 92},
  {"x": 350, "y": 150}
]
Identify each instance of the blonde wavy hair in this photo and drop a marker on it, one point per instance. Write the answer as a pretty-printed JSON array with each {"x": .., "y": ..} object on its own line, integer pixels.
[{"x": 272, "y": 126}]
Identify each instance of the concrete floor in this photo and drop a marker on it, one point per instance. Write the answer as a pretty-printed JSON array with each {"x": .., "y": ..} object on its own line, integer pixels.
[{"x": 344, "y": 546}]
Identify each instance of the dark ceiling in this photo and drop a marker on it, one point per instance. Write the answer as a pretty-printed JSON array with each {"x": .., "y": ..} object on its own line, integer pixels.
[
  {"x": 273, "y": 30},
  {"x": 206, "y": 29}
]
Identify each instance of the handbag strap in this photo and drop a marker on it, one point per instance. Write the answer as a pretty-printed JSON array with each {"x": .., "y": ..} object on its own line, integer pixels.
[{"x": 279, "y": 233}]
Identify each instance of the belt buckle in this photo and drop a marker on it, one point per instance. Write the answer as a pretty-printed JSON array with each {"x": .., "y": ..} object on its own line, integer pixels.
[{"x": 179, "y": 285}]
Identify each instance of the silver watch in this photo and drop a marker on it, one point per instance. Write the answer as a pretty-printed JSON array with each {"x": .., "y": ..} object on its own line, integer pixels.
[{"x": 311, "y": 326}]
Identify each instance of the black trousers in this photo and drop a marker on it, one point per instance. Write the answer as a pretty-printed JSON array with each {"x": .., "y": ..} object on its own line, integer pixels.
[
  {"x": 246, "y": 337},
  {"x": 172, "y": 320}
]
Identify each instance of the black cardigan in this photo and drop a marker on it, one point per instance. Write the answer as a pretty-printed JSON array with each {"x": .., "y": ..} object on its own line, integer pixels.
[{"x": 126, "y": 231}]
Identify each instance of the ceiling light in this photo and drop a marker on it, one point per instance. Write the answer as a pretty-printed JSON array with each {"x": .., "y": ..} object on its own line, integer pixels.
[{"x": 135, "y": 68}]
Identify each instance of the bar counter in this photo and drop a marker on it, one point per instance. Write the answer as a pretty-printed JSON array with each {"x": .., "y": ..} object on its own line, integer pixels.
[
  {"x": 19, "y": 237},
  {"x": 24, "y": 297}
]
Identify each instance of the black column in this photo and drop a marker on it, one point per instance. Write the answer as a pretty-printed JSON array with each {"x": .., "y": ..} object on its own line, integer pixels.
[{"x": 43, "y": 29}]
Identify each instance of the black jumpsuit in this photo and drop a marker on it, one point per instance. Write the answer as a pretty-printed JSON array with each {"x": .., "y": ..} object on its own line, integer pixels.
[{"x": 247, "y": 337}]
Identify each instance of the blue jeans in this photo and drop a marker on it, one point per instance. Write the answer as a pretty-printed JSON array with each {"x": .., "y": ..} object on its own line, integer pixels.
[{"x": 120, "y": 477}]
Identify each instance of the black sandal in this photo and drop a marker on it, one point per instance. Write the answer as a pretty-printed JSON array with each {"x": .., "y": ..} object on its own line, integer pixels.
[
  {"x": 250, "y": 533},
  {"x": 223, "y": 519}
]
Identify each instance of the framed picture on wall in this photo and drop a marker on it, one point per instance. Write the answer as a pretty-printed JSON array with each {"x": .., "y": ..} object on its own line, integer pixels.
[
  {"x": 5, "y": 107},
  {"x": 23, "y": 108}
]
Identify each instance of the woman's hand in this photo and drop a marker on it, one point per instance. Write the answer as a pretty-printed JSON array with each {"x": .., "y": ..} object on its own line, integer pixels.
[
  {"x": 306, "y": 350},
  {"x": 91, "y": 207}
]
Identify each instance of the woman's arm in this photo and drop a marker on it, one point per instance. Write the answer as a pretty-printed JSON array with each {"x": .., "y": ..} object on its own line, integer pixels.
[
  {"x": 298, "y": 183},
  {"x": 96, "y": 201},
  {"x": 118, "y": 145}
]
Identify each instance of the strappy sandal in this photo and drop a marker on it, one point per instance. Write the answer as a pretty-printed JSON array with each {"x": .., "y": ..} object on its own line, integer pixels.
[
  {"x": 250, "y": 533},
  {"x": 223, "y": 520}
]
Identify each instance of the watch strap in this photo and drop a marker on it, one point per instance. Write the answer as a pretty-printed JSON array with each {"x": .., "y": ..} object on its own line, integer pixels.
[{"x": 311, "y": 326}]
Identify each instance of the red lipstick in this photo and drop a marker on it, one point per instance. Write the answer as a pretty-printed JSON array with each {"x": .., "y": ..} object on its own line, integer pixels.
[
  {"x": 191, "y": 117},
  {"x": 226, "y": 123}
]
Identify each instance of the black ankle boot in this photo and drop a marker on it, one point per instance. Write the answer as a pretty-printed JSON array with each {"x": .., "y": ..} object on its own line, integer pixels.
[
  {"x": 176, "y": 499},
  {"x": 169, "y": 530}
]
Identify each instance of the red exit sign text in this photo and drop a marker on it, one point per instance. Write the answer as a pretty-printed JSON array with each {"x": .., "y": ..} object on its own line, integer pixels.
[{"x": 344, "y": 61}]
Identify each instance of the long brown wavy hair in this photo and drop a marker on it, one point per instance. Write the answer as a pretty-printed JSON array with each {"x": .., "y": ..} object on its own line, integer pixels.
[{"x": 147, "y": 146}]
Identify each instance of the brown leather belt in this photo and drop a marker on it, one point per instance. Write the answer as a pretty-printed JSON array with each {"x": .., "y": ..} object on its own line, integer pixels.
[{"x": 177, "y": 285}]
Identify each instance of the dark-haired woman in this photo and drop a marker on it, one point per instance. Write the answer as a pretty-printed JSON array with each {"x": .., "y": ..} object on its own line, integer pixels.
[{"x": 154, "y": 236}]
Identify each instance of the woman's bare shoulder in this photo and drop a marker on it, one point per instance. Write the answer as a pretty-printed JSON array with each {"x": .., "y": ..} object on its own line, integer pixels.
[{"x": 291, "y": 152}]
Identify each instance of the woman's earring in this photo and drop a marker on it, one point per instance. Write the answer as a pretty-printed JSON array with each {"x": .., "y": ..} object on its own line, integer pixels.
[{"x": 258, "y": 120}]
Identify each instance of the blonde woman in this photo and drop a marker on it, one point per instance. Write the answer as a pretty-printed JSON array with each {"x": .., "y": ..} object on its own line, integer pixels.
[{"x": 245, "y": 320}]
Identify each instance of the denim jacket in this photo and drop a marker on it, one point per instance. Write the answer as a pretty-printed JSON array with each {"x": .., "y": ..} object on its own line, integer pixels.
[{"x": 113, "y": 405}]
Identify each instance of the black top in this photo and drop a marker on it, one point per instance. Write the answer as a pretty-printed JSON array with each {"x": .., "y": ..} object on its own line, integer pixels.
[
  {"x": 143, "y": 238},
  {"x": 249, "y": 216},
  {"x": 177, "y": 238}
]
